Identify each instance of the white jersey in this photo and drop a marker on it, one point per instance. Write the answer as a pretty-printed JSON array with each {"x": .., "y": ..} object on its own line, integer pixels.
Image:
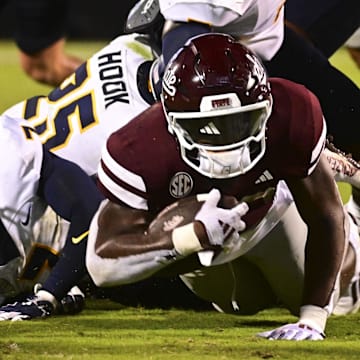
[
  {"x": 37, "y": 232},
  {"x": 257, "y": 24},
  {"x": 75, "y": 119}
]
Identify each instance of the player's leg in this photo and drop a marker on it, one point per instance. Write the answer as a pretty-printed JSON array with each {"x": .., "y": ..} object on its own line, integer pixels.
[
  {"x": 240, "y": 285},
  {"x": 326, "y": 23},
  {"x": 299, "y": 61},
  {"x": 338, "y": 95},
  {"x": 236, "y": 287},
  {"x": 280, "y": 257},
  {"x": 349, "y": 301},
  {"x": 274, "y": 266}
]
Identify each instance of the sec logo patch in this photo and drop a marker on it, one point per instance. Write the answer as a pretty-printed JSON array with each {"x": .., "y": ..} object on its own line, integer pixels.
[{"x": 181, "y": 185}]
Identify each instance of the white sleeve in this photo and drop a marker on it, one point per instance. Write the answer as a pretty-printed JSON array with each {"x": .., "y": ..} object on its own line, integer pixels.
[
  {"x": 21, "y": 158},
  {"x": 212, "y": 12},
  {"x": 258, "y": 25}
]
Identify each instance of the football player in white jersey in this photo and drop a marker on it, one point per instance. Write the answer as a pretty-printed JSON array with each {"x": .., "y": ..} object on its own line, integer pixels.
[
  {"x": 222, "y": 124},
  {"x": 73, "y": 121},
  {"x": 44, "y": 224},
  {"x": 257, "y": 24},
  {"x": 104, "y": 93}
]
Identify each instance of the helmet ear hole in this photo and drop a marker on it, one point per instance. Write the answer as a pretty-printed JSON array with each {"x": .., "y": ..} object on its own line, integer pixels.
[{"x": 217, "y": 99}]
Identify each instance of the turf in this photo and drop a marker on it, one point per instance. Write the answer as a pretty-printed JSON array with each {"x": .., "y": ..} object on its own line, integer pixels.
[{"x": 106, "y": 330}]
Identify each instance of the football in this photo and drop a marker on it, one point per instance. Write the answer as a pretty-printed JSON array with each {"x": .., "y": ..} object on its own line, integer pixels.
[{"x": 183, "y": 212}]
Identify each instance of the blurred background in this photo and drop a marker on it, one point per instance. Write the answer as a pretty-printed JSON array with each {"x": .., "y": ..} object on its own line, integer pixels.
[
  {"x": 89, "y": 28},
  {"x": 90, "y": 25},
  {"x": 87, "y": 20}
]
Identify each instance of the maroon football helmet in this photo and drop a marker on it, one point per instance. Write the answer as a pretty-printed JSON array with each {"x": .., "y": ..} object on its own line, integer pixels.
[{"x": 217, "y": 100}]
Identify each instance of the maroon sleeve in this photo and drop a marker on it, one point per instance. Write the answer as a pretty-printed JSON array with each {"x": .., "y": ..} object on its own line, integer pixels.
[
  {"x": 296, "y": 132},
  {"x": 137, "y": 159}
]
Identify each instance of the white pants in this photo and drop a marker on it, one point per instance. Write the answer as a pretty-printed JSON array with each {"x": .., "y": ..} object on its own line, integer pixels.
[{"x": 271, "y": 273}]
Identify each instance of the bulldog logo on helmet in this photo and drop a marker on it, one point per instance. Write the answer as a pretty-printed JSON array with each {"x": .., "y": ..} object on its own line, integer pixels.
[{"x": 169, "y": 81}]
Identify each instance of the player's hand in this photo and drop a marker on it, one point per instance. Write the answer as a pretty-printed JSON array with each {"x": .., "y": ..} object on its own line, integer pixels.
[
  {"x": 32, "y": 308},
  {"x": 218, "y": 222},
  {"x": 296, "y": 331}
]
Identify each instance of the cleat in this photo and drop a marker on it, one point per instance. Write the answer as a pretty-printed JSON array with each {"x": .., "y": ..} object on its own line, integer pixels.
[
  {"x": 344, "y": 167},
  {"x": 32, "y": 308}
]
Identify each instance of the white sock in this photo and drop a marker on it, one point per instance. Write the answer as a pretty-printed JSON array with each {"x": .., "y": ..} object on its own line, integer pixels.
[{"x": 354, "y": 209}]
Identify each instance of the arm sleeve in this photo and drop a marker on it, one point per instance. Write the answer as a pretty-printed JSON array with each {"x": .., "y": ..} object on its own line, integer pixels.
[
  {"x": 74, "y": 196},
  {"x": 212, "y": 12},
  {"x": 176, "y": 38}
]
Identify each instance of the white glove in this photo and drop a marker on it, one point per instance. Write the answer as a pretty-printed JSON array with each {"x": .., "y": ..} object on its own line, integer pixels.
[
  {"x": 297, "y": 331},
  {"x": 220, "y": 223}
]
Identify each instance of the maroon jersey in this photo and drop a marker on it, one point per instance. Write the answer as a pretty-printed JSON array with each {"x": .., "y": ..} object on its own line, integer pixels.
[{"x": 141, "y": 165}]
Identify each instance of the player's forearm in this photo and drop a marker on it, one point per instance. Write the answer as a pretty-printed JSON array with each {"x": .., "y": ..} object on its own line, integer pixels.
[
  {"x": 324, "y": 253},
  {"x": 132, "y": 244},
  {"x": 137, "y": 262},
  {"x": 184, "y": 240},
  {"x": 125, "y": 258},
  {"x": 129, "y": 250},
  {"x": 323, "y": 258}
]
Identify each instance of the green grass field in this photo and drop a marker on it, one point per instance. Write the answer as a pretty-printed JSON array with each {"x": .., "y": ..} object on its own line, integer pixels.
[{"x": 106, "y": 330}]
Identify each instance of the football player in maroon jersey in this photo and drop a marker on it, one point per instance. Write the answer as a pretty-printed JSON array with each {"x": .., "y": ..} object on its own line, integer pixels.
[
  {"x": 286, "y": 53},
  {"x": 225, "y": 129}
]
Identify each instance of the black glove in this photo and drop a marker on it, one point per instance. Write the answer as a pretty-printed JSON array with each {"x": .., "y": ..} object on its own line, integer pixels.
[{"x": 72, "y": 303}]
